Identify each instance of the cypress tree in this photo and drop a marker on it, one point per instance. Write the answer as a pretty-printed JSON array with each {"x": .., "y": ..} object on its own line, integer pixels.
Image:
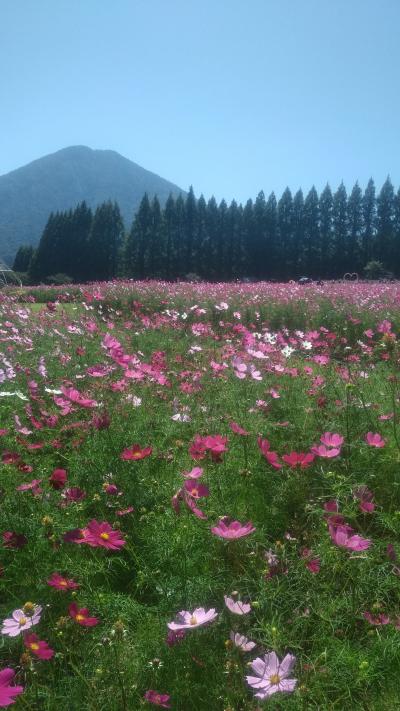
[
  {"x": 137, "y": 240},
  {"x": 311, "y": 252},
  {"x": 23, "y": 258},
  {"x": 105, "y": 241},
  {"x": 270, "y": 263},
  {"x": 355, "y": 222},
  {"x": 385, "y": 223},
  {"x": 298, "y": 232},
  {"x": 340, "y": 232},
  {"x": 326, "y": 230},
  {"x": 285, "y": 228},
  {"x": 369, "y": 222},
  {"x": 190, "y": 246}
]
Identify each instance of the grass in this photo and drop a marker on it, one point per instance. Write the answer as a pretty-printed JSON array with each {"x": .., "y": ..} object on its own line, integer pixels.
[{"x": 173, "y": 562}]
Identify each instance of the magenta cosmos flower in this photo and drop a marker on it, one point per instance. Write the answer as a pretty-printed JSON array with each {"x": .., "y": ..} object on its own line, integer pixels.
[
  {"x": 37, "y": 646},
  {"x": 136, "y": 452},
  {"x": 272, "y": 675},
  {"x": 8, "y": 692},
  {"x": 332, "y": 439},
  {"x": 61, "y": 583},
  {"x": 190, "y": 620},
  {"x": 230, "y": 530},
  {"x": 154, "y": 697},
  {"x": 21, "y": 620},
  {"x": 101, "y": 535}
]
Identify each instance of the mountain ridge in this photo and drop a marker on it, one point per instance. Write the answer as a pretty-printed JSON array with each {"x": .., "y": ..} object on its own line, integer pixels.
[{"x": 60, "y": 180}]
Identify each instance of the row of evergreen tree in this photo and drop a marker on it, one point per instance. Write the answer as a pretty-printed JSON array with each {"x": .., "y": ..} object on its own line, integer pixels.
[{"x": 321, "y": 236}]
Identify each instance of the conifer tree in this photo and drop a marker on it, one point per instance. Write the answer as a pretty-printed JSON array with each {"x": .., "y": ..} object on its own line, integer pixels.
[
  {"x": 298, "y": 233},
  {"x": 340, "y": 231},
  {"x": 23, "y": 258},
  {"x": 355, "y": 225},
  {"x": 105, "y": 241},
  {"x": 385, "y": 224},
  {"x": 285, "y": 227},
  {"x": 369, "y": 222},
  {"x": 271, "y": 257},
  {"x": 326, "y": 230},
  {"x": 138, "y": 240},
  {"x": 311, "y": 249},
  {"x": 189, "y": 258}
]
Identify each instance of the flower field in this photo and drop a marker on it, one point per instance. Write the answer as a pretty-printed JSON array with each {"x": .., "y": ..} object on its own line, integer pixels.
[{"x": 200, "y": 497}]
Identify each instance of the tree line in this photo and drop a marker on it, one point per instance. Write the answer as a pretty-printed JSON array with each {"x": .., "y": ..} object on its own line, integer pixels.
[{"x": 320, "y": 236}]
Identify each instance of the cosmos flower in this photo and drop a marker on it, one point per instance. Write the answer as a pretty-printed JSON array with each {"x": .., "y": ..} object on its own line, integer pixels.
[
  {"x": 8, "y": 692},
  {"x": 136, "y": 452},
  {"x": 81, "y": 616},
  {"x": 38, "y": 647},
  {"x": 330, "y": 439},
  {"x": 58, "y": 478},
  {"x": 230, "y": 530},
  {"x": 191, "y": 620},
  {"x": 376, "y": 620},
  {"x": 154, "y": 697},
  {"x": 241, "y": 642},
  {"x": 61, "y": 583},
  {"x": 344, "y": 537},
  {"x": 102, "y": 535},
  {"x": 237, "y": 606},
  {"x": 298, "y": 459},
  {"x": 374, "y": 440},
  {"x": 272, "y": 675},
  {"x": 21, "y": 620}
]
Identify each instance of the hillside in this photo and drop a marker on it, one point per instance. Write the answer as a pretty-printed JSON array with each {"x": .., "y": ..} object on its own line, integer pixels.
[{"x": 61, "y": 180}]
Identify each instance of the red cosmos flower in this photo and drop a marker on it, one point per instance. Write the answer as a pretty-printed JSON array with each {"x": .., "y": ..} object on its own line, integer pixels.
[
  {"x": 39, "y": 648},
  {"x": 216, "y": 446},
  {"x": 197, "y": 449},
  {"x": 136, "y": 452},
  {"x": 81, "y": 616},
  {"x": 298, "y": 459},
  {"x": 58, "y": 478},
  {"x": 60, "y": 583},
  {"x": 153, "y": 697},
  {"x": 102, "y": 535},
  {"x": 73, "y": 495}
]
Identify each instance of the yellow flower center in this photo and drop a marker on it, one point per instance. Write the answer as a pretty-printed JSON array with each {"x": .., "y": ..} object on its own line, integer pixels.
[
  {"x": 29, "y": 608},
  {"x": 63, "y": 583},
  {"x": 105, "y": 536},
  {"x": 79, "y": 617},
  {"x": 22, "y": 621},
  {"x": 195, "y": 492},
  {"x": 275, "y": 679},
  {"x": 193, "y": 620},
  {"x": 34, "y": 646},
  {"x": 136, "y": 455}
]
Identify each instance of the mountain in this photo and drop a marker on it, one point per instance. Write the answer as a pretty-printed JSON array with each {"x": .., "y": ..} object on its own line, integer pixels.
[{"x": 60, "y": 181}]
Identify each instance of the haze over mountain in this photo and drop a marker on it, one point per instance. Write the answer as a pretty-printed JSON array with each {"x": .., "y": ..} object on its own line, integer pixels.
[{"x": 60, "y": 181}]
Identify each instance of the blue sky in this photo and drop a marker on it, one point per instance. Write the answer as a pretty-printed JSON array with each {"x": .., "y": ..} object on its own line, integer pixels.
[{"x": 231, "y": 96}]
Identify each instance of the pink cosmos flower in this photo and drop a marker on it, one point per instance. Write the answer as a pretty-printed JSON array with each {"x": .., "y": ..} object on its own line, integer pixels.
[
  {"x": 313, "y": 565},
  {"x": 237, "y": 607},
  {"x": 154, "y": 697},
  {"x": 330, "y": 439},
  {"x": 298, "y": 459},
  {"x": 8, "y": 692},
  {"x": 191, "y": 620},
  {"x": 237, "y": 429},
  {"x": 376, "y": 620},
  {"x": 39, "y": 648},
  {"x": 136, "y": 452},
  {"x": 230, "y": 530},
  {"x": 327, "y": 453},
  {"x": 21, "y": 621},
  {"x": 272, "y": 675},
  {"x": 194, "y": 473},
  {"x": 81, "y": 616},
  {"x": 31, "y": 486},
  {"x": 374, "y": 439},
  {"x": 14, "y": 540},
  {"x": 124, "y": 512},
  {"x": 73, "y": 495},
  {"x": 343, "y": 536},
  {"x": 174, "y": 637},
  {"x": 195, "y": 489},
  {"x": 241, "y": 642},
  {"x": 102, "y": 535},
  {"x": 61, "y": 583}
]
